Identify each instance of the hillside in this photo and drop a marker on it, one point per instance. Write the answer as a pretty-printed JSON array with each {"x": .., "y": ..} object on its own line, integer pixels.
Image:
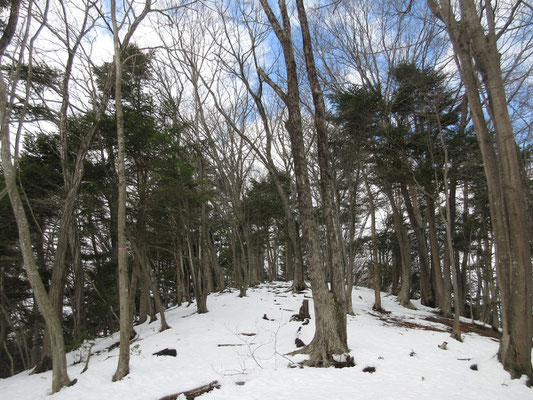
[{"x": 235, "y": 345}]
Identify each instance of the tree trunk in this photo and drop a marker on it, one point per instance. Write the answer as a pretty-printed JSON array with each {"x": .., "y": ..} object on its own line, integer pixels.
[
  {"x": 479, "y": 64},
  {"x": 144, "y": 295},
  {"x": 204, "y": 262},
  {"x": 134, "y": 283},
  {"x": 413, "y": 211},
  {"x": 80, "y": 315},
  {"x": 377, "y": 275},
  {"x": 53, "y": 324},
  {"x": 239, "y": 264},
  {"x": 350, "y": 256},
  {"x": 405, "y": 251},
  {"x": 334, "y": 236},
  {"x": 219, "y": 272},
  {"x": 298, "y": 282},
  {"x": 289, "y": 263},
  {"x": 330, "y": 317},
  {"x": 447, "y": 219},
  {"x": 446, "y": 276},
  {"x": 123, "y": 279},
  {"x": 141, "y": 255},
  {"x": 442, "y": 299}
]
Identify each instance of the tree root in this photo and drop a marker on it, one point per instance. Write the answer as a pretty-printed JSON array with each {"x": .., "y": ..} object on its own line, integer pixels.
[
  {"x": 320, "y": 358},
  {"x": 408, "y": 305}
]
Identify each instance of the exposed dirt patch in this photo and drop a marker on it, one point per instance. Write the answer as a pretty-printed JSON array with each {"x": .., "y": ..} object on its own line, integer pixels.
[
  {"x": 389, "y": 320},
  {"x": 466, "y": 327},
  {"x": 381, "y": 311}
]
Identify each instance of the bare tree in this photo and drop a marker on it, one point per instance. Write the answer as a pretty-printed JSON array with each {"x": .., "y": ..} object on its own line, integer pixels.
[
  {"x": 359, "y": 43},
  {"x": 243, "y": 63},
  {"x": 72, "y": 169},
  {"x": 330, "y": 311},
  {"x": 123, "y": 278},
  {"x": 219, "y": 112},
  {"x": 59, "y": 363},
  {"x": 474, "y": 34}
]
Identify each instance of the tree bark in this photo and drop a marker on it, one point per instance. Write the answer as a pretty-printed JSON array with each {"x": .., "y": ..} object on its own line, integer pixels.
[
  {"x": 334, "y": 236},
  {"x": 219, "y": 272},
  {"x": 144, "y": 262},
  {"x": 123, "y": 279},
  {"x": 377, "y": 275},
  {"x": 479, "y": 63},
  {"x": 11, "y": 26},
  {"x": 80, "y": 315},
  {"x": 55, "y": 333},
  {"x": 442, "y": 299},
  {"x": 405, "y": 251},
  {"x": 330, "y": 333},
  {"x": 413, "y": 212}
]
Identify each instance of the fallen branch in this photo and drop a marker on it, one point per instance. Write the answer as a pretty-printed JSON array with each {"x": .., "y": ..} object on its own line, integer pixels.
[{"x": 194, "y": 393}]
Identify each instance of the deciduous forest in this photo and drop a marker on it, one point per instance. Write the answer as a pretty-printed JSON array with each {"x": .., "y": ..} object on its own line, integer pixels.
[{"x": 155, "y": 152}]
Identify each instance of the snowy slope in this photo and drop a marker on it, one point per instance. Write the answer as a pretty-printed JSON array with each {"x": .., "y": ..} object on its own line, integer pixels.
[{"x": 409, "y": 364}]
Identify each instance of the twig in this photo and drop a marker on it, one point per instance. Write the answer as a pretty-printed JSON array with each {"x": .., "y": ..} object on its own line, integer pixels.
[{"x": 88, "y": 358}]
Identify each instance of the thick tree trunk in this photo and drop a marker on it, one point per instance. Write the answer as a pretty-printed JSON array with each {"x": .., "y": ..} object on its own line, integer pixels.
[
  {"x": 479, "y": 64},
  {"x": 333, "y": 233},
  {"x": 53, "y": 323},
  {"x": 73, "y": 171},
  {"x": 330, "y": 317}
]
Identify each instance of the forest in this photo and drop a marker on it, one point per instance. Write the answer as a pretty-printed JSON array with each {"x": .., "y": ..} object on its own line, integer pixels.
[{"x": 156, "y": 151}]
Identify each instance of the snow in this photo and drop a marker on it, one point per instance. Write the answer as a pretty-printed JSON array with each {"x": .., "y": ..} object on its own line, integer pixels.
[{"x": 409, "y": 364}]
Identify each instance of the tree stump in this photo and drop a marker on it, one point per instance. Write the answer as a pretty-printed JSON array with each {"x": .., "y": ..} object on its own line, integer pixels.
[
  {"x": 166, "y": 352},
  {"x": 303, "y": 313}
]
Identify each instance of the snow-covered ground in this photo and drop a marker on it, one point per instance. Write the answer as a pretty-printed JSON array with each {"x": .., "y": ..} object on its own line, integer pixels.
[{"x": 245, "y": 353}]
